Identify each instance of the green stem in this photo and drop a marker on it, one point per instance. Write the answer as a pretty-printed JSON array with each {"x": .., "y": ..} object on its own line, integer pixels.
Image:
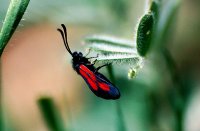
[
  {"x": 120, "y": 123},
  {"x": 50, "y": 114},
  {"x": 111, "y": 73},
  {"x": 1, "y": 103},
  {"x": 120, "y": 119},
  {"x": 14, "y": 14},
  {"x": 179, "y": 97},
  {"x": 163, "y": 23}
]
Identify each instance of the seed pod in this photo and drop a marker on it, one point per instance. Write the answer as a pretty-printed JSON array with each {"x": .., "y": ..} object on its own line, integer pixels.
[{"x": 144, "y": 33}]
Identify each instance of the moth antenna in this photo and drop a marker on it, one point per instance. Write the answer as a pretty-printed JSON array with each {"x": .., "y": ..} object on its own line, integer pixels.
[
  {"x": 64, "y": 41},
  {"x": 65, "y": 34}
]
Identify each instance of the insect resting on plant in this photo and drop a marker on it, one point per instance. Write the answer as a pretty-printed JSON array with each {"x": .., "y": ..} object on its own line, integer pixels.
[{"x": 97, "y": 82}]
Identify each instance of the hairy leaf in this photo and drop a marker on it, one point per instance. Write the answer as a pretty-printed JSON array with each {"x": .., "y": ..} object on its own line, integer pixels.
[
  {"x": 108, "y": 48},
  {"x": 110, "y": 40},
  {"x": 118, "y": 58}
]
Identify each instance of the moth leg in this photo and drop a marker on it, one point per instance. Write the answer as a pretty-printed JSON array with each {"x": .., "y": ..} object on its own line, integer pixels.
[
  {"x": 94, "y": 57},
  {"x": 88, "y": 52},
  {"x": 98, "y": 68},
  {"x": 94, "y": 62}
]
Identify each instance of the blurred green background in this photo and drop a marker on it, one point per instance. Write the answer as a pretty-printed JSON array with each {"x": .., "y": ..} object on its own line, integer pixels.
[{"x": 35, "y": 63}]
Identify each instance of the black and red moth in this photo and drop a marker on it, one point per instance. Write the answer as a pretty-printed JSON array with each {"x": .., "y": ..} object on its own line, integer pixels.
[{"x": 97, "y": 82}]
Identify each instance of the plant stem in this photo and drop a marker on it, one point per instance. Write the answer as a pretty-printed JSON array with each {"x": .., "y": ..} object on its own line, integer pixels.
[
  {"x": 1, "y": 102},
  {"x": 14, "y": 14},
  {"x": 120, "y": 119},
  {"x": 50, "y": 114},
  {"x": 111, "y": 73},
  {"x": 179, "y": 97},
  {"x": 120, "y": 123}
]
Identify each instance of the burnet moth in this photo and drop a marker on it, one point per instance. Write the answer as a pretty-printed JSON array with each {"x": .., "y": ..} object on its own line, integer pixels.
[{"x": 97, "y": 82}]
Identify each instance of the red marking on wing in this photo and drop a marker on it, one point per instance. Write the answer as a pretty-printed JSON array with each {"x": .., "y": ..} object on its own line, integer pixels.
[
  {"x": 104, "y": 86},
  {"x": 89, "y": 75},
  {"x": 92, "y": 80}
]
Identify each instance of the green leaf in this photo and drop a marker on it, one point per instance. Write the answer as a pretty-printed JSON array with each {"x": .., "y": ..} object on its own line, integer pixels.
[
  {"x": 107, "y": 48},
  {"x": 50, "y": 114},
  {"x": 144, "y": 34},
  {"x": 113, "y": 50},
  {"x": 14, "y": 14},
  {"x": 110, "y": 40},
  {"x": 118, "y": 58},
  {"x": 108, "y": 45}
]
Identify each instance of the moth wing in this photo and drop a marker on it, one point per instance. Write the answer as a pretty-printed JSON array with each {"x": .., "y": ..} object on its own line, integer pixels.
[{"x": 99, "y": 84}]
